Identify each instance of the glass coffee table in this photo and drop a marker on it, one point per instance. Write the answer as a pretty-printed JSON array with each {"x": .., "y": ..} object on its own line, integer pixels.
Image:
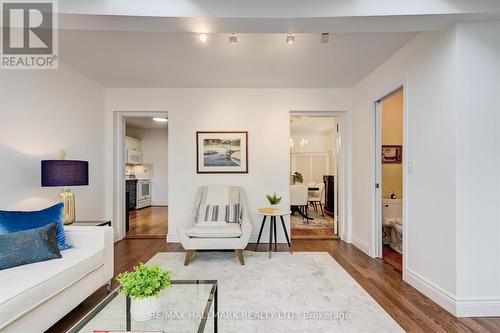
[{"x": 187, "y": 306}]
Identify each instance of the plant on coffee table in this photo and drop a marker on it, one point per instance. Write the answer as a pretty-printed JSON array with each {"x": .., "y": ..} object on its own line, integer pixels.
[{"x": 144, "y": 285}]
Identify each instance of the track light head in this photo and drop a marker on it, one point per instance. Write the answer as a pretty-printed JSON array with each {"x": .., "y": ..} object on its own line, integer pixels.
[
  {"x": 325, "y": 38},
  {"x": 233, "y": 38},
  {"x": 203, "y": 38}
]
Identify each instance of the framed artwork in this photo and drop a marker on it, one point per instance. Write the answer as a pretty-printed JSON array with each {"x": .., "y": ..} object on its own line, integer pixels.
[
  {"x": 392, "y": 154},
  {"x": 222, "y": 152}
]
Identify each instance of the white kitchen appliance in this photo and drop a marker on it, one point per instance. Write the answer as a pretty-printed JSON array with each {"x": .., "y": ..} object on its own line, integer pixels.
[
  {"x": 134, "y": 156},
  {"x": 143, "y": 193}
]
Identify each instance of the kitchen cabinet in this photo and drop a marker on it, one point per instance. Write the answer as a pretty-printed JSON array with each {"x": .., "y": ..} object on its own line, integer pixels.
[
  {"x": 132, "y": 143},
  {"x": 133, "y": 150}
]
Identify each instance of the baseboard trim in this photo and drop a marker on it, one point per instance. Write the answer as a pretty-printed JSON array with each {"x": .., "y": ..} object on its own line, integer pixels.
[
  {"x": 429, "y": 289},
  {"x": 471, "y": 307},
  {"x": 478, "y": 307},
  {"x": 159, "y": 203},
  {"x": 346, "y": 238},
  {"x": 173, "y": 238},
  {"x": 360, "y": 244},
  {"x": 264, "y": 239}
]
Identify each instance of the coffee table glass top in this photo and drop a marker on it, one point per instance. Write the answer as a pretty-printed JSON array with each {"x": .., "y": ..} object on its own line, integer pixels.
[{"x": 187, "y": 306}]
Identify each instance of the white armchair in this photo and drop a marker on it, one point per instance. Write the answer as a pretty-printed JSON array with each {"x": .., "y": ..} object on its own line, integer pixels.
[{"x": 216, "y": 235}]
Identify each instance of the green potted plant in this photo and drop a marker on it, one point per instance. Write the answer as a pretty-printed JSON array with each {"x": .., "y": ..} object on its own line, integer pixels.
[
  {"x": 273, "y": 199},
  {"x": 297, "y": 178},
  {"x": 143, "y": 285}
]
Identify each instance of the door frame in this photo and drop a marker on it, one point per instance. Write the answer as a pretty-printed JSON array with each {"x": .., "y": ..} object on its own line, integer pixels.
[
  {"x": 119, "y": 164},
  {"x": 343, "y": 183},
  {"x": 377, "y": 244}
]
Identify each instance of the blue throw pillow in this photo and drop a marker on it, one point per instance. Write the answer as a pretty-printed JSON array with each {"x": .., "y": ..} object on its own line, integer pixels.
[
  {"x": 29, "y": 246},
  {"x": 11, "y": 221}
]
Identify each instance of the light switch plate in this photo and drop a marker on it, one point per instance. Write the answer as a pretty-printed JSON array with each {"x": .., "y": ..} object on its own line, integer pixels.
[{"x": 411, "y": 166}]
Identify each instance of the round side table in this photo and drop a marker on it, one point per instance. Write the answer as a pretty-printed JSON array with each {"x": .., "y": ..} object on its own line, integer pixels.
[{"x": 272, "y": 229}]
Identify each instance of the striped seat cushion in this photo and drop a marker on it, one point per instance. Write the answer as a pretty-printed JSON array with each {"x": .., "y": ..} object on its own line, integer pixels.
[{"x": 219, "y": 213}]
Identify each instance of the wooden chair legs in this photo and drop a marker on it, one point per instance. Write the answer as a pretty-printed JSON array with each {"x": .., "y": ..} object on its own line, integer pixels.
[
  {"x": 239, "y": 254},
  {"x": 189, "y": 255},
  {"x": 322, "y": 210}
]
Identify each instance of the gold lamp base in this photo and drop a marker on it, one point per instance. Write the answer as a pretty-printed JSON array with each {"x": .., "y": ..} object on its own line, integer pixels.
[{"x": 68, "y": 199}]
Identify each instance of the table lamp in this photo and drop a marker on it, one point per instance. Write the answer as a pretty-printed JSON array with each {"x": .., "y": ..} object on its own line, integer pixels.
[{"x": 65, "y": 173}]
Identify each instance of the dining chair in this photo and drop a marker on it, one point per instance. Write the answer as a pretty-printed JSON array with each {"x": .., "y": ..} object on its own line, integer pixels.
[
  {"x": 298, "y": 200},
  {"x": 315, "y": 197}
]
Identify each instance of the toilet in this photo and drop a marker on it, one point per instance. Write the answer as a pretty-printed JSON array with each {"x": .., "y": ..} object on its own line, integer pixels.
[{"x": 392, "y": 222}]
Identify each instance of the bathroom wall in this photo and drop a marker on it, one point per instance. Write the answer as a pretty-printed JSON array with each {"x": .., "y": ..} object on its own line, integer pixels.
[{"x": 392, "y": 134}]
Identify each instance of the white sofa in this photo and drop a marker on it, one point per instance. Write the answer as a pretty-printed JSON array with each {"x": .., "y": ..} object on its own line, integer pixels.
[
  {"x": 219, "y": 235},
  {"x": 33, "y": 297}
]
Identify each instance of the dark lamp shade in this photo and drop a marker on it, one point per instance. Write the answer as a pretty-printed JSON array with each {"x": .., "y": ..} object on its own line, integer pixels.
[{"x": 65, "y": 173}]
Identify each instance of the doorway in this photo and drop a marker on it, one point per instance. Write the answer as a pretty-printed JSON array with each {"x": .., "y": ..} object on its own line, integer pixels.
[
  {"x": 389, "y": 170},
  {"x": 146, "y": 175},
  {"x": 141, "y": 174},
  {"x": 315, "y": 168}
]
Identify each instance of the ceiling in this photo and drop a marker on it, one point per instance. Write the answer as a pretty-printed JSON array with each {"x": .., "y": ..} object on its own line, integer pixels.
[
  {"x": 144, "y": 122},
  {"x": 312, "y": 124},
  {"x": 180, "y": 60},
  {"x": 275, "y": 16}
]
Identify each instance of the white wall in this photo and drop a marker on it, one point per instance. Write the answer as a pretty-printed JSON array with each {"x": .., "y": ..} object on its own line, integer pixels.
[
  {"x": 315, "y": 158},
  {"x": 264, "y": 113},
  {"x": 42, "y": 111},
  {"x": 435, "y": 68},
  {"x": 478, "y": 168},
  {"x": 427, "y": 66},
  {"x": 154, "y": 147},
  {"x": 317, "y": 142}
]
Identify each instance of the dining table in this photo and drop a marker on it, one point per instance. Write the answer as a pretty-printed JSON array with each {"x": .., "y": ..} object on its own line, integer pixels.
[{"x": 303, "y": 213}]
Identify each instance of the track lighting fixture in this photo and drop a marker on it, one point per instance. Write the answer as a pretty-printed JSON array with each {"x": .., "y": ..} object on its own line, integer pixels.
[
  {"x": 203, "y": 38},
  {"x": 233, "y": 38},
  {"x": 290, "y": 38},
  {"x": 325, "y": 38}
]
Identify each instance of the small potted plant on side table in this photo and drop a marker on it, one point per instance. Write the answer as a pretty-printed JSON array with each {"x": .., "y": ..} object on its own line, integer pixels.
[
  {"x": 143, "y": 285},
  {"x": 274, "y": 200}
]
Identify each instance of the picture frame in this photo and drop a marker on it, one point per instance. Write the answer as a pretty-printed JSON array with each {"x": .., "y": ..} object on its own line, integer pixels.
[
  {"x": 221, "y": 152},
  {"x": 392, "y": 153}
]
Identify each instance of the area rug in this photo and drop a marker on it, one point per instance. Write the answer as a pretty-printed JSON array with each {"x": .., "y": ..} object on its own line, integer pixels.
[
  {"x": 299, "y": 292},
  {"x": 318, "y": 222}
]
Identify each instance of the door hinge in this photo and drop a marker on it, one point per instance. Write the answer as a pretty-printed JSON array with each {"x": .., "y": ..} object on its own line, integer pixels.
[
  {"x": 337, "y": 128},
  {"x": 377, "y": 185}
]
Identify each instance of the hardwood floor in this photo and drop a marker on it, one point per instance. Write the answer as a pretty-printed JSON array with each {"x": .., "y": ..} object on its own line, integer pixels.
[
  {"x": 149, "y": 222},
  {"x": 392, "y": 257},
  {"x": 315, "y": 234},
  {"x": 413, "y": 311}
]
